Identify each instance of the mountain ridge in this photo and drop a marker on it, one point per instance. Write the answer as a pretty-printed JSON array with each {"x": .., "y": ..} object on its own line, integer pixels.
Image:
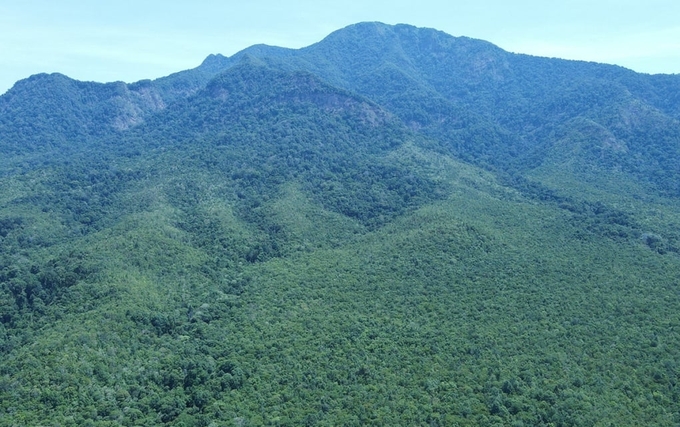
[{"x": 456, "y": 78}]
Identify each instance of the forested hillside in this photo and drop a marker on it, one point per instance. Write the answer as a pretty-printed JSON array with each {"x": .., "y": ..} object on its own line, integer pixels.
[{"x": 393, "y": 226}]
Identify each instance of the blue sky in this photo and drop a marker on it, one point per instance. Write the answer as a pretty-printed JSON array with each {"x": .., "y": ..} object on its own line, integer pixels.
[{"x": 133, "y": 40}]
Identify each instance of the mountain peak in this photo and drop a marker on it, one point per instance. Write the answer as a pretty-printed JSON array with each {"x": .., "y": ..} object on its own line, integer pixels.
[{"x": 215, "y": 63}]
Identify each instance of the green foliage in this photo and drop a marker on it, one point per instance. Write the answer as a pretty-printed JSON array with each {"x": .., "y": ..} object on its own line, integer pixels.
[{"x": 307, "y": 238}]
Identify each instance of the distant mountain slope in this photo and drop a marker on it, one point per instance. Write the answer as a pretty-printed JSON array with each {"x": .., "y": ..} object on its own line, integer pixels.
[
  {"x": 497, "y": 108},
  {"x": 501, "y": 110},
  {"x": 47, "y": 111}
]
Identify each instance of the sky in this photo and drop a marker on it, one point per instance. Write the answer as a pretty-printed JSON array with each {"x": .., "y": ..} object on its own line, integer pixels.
[{"x": 131, "y": 40}]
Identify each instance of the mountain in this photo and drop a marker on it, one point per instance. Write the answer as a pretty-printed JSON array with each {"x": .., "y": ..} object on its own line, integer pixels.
[
  {"x": 488, "y": 106},
  {"x": 392, "y": 226}
]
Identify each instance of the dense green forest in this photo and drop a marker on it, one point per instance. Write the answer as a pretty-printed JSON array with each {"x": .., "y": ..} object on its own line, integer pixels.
[{"x": 392, "y": 226}]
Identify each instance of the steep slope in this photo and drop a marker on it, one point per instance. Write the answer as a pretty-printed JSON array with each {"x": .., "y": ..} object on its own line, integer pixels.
[
  {"x": 498, "y": 109},
  {"x": 525, "y": 100},
  {"x": 54, "y": 111}
]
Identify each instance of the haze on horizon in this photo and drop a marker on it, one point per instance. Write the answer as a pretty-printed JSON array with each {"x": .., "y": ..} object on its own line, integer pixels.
[{"x": 130, "y": 41}]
